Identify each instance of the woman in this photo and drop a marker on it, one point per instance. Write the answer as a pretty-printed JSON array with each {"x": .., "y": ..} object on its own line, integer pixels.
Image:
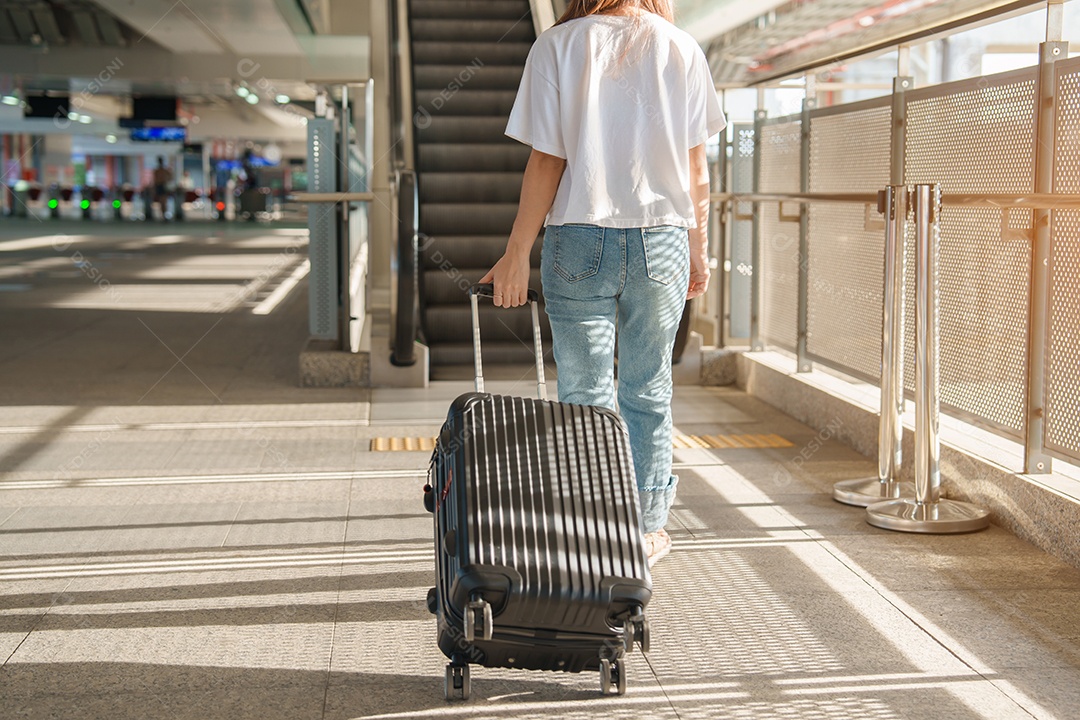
[{"x": 616, "y": 103}]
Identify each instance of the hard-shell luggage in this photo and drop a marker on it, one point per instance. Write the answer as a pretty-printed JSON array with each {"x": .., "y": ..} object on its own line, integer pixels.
[
  {"x": 539, "y": 553},
  {"x": 252, "y": 202}
]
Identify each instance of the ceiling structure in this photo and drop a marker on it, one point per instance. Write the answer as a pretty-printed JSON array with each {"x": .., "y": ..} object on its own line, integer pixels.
[
  {"x": 206, "y": 51},
  {"x": 41, "y": 24},
  {"x": 223, "y": 58},
  {"x": 793, "y": 37}
]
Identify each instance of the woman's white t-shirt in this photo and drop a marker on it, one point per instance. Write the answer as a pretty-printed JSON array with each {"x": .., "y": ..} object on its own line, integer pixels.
[{"x": 622, "y": 99}]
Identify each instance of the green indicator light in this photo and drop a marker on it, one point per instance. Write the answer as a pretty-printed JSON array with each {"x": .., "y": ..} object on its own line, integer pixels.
[
  {"x": 85, "y": 204},
  {"x": 116, "y": 204},
  {"x": 53, "y": 203}
]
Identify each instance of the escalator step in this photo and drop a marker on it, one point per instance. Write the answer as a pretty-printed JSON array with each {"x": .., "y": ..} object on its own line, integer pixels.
[
  {"x": 455, "y": 362},
  {"x": 450, "y": 286},
  {"x": 474, "y": 76},
  {"x": 467, "y": 218},
  {"x": 472, "y": 157},
  {"x": 453, "y": 323},
  {"x": 468, "y": 58},
  {"x": 496, "y": 30},
  {"x": 506, "y": 52},
  {"x": 480, "y": 251},
  {"x": 508, "y": 9},
  {"x": 447, "y": 129},
  {"x": 447, "y": 187},
  {"x": 465, "y": 102}
]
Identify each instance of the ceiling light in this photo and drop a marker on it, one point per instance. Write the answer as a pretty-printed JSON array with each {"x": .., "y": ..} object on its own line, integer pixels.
[
  {"x": 282, "y": 99},
  {"x": 10, "y": 100},
  {"x": 110, "y": 139},
  {"x": 85, "y": 119},
  {"x": 252, "y": 98},
  {"x": 242, "y": 91},
  {"x": 73, "y": 116},
  {"x": 866, "y": 21}
]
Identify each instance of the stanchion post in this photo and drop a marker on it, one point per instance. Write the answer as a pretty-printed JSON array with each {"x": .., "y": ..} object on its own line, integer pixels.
[
  {"x": 927, "y": 375},
  {"x": 863, "y": 492},
  {"x": 928, "y": 512}
]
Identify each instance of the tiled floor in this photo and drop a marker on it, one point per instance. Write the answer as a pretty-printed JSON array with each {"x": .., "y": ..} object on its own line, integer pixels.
[{"x": 206, "y": 540}]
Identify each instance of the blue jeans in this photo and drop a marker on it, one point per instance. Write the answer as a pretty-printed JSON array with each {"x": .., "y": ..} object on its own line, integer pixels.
[{"x": 593, "y": 276}]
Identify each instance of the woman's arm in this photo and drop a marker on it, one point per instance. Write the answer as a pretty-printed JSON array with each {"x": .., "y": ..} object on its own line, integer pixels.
[
  {"x": 699, "y": 236},
  {"x": 511, "y": 274}
]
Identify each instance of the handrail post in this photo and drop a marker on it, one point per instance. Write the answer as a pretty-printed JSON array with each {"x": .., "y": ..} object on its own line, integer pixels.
[
  {"x": 344, "y": 242},
  {"x": 757, "y": 274},
  {"x": 1036, "y": 459},
  {"x": 863, "y": 492},
  {"x": 802, "y": 359},
  {"x": 720, "y": 220},
  {"x": 928, "y": 512}
]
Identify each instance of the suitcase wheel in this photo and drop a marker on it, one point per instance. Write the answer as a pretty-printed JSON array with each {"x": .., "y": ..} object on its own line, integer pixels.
[
  {"x": 429, "y": 499},
  {"x": 458, "y": 683},
  {"x": 612, "y": 676},
  {"x": 433, "y": 600},
  {"x": 478, "y": 605},
  {"x": 641, "y": 634},
  {"x": 636, "y": 630}
]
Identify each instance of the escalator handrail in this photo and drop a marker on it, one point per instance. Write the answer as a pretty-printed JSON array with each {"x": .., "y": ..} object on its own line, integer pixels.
[
  {"x": 401, "y": 136},
  {"x": 406, "y": 309},
  {"x": 544, "y": 14},
  {"x": 406, "y": 324}
]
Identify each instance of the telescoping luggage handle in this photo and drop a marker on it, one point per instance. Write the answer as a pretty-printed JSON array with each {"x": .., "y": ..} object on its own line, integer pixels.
[{"x": 488, "y": 290}]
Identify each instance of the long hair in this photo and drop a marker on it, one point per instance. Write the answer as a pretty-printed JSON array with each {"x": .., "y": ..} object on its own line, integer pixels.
[{"x": 581, "y": 8}]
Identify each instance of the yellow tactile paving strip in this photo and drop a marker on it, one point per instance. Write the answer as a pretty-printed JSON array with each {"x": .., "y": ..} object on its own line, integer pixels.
[
  {"x": 730, "y": 441},
  {"x": 724, "y": 442},
  {"x": 393, "y": 444}
]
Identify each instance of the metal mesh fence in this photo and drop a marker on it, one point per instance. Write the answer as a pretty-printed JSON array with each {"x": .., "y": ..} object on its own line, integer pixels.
[
  {"x": 977, "y": 136},
  {"x": 1062, "y": 427},
  {"x": 741, "y": 252},
  {"x": 849, "y": 152},
  {"x": 781, "y": 142}
]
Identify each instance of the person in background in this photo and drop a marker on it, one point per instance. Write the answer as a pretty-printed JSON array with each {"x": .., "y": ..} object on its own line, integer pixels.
[
  {"x": 162, "y": 177},
  {"x": 617, "y": 104}
]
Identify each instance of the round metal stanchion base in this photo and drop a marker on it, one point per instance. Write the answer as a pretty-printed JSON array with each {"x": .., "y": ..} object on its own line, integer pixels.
[
  {"x": 865, "y": 492},
  {"x": 942, "y": 517}
]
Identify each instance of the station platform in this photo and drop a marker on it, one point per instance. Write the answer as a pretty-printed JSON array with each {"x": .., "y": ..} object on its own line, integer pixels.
[{"x": 186, "y": 533}]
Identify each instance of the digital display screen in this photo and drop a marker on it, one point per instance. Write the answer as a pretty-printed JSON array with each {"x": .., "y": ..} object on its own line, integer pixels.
[
  {"x": 159, "y": 134},
  {"x": 42, "y": 106},
  {"x": 154, "y": 108}
]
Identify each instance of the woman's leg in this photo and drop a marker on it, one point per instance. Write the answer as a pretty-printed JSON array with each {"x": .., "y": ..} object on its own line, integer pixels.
[
  {"x": 580, "y": 269},
  {"x": 650, "y": 307}
]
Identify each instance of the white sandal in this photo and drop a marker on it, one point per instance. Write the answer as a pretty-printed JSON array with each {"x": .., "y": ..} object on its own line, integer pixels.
[{"x": 657, "y": 545}]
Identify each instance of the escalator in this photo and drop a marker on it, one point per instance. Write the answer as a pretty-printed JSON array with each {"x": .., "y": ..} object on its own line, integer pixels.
[{"x": 467, "y": 61}]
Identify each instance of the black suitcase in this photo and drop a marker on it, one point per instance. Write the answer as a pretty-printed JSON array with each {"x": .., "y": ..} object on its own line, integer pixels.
[{"x": 539, "y": 553}]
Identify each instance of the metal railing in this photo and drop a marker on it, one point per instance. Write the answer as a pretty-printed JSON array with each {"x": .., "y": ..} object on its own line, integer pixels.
[
  {"x": 812, "y": 240},
  {"x": 893, "y": 202},
  {"x": 339, "y": 160}
]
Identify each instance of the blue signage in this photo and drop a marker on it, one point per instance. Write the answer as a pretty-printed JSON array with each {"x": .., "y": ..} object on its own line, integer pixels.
[{"x": 159, "y": 134}]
